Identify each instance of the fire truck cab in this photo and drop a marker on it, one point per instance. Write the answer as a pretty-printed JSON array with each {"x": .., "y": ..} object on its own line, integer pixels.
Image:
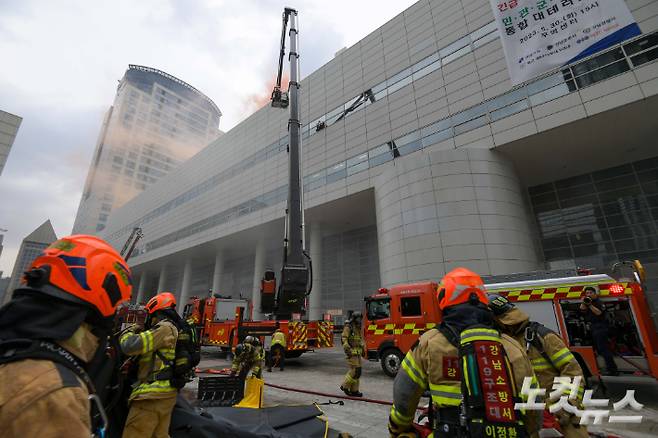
[{"x": 395, "y": 318}]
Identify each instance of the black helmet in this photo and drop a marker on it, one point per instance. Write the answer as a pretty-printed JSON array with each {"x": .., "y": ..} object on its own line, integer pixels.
[
  {"x": 499, "y": 305},
  {"x": 356, "y": 316}
]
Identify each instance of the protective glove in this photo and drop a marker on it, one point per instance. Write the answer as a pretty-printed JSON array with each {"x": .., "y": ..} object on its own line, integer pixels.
[{"x": 232, "y": 373}]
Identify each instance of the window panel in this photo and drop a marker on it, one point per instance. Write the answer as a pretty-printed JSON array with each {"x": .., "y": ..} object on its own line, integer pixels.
[
  {"x": 465, "y": 41},
  {"x": 509, "y": 110},
  {"x": 473, "y": 124},
  {"x": 410, "y": 306},
  {"x": 437, "y": 137},
  {"x": 458, "y": 54}
]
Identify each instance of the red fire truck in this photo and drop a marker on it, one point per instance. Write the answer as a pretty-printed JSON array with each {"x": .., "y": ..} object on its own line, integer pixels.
[
  {"x": 218, "y": 330},
  {"x": 394, "y": 318}
]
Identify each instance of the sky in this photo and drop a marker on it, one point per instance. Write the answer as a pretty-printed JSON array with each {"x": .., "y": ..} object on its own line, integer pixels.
[{"x": 61, "y": 62}]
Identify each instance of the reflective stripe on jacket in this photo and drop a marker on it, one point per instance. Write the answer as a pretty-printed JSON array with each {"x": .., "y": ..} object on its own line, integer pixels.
[
  {"x": 160, "y": 339},
  {"x": 559, "y": 360},
  {"x": 352, "y": 340},
  {"x": 278, "y": 338},
  {"x": 434, "y": 364}
]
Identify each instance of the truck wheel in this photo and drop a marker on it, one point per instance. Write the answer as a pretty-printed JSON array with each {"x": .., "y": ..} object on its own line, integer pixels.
[
  {"x": 391, "y": 361},
  {"x": 293, "y": 354}
]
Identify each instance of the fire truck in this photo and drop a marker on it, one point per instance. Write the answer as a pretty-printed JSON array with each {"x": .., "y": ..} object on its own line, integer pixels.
[
  {"x": 394, "y": 318},
  {"x": 215, "y": 329}
]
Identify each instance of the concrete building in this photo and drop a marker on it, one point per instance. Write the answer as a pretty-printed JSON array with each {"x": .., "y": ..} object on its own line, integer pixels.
[
  {"x": 31, "y": 247},
  {"x": 156, "y": 122},
  {"x": 9, "y": 125},
  {"x": 420, "y": 156}
]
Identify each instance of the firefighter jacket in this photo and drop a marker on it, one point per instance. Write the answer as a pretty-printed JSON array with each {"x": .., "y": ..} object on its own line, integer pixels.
[
  {"x": 352, "y": 340},
  {"x": 549, "y": 355},
  {"x": 278, "y": 338},
  {"x": 43, "y": 399},
  {"x": 149, "y": 345},
  {"x": 250, "y": 358},
  {"x": 434, "y": 364}
]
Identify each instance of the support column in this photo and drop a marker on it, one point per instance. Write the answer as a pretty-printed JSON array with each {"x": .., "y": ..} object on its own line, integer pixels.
[
  {"x": 217, "y": 273},
  {"x": 162, "y": 279},
  {"x": 141, "y": 288},
  {"x": 186, "y": 285},
  {"x": 315, "y": 299},
  {"x": 259, "y": 269}
]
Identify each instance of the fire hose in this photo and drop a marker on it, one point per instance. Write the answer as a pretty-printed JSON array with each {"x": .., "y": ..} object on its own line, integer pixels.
[{"x": 304, "y": 391}]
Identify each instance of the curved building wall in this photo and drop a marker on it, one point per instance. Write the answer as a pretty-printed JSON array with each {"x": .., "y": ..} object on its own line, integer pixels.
[{"x": 443, "y": 209}]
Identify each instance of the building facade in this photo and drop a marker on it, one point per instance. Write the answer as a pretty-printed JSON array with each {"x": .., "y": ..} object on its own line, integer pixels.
[
  {"x": 156, "y": 122},
  {"x": 419, "y": 156},
  {"x": 31, "y": 247},
  {"x": 9, "y": 125}
]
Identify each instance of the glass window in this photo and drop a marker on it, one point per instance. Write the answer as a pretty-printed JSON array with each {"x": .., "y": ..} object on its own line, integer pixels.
[
  {"x": 486, "y": 39},
  {"x": 484, "y": 30},
  {"x": 458, "y": 54},
  {"x": 425, "y": 62},
  {"x": 470, "y": 125},
  {"x": 437, "y": 137},
  {"x": 641, "y": 44},
  {"x": 602, "y": 73},
  {"x": 427, "y": 70},
  {"x": 645, "y": 57},
  {"x": 398, "y": 76},
  {"x": 357, "y": 168},
  {"x": 410, "y": 306},
  {"x": 376, "y": 160},
  {"x": 452, "y": 48},
  {"x": 357, "y": 159},
  {"x": 403, "y": 82},
  {"x": 410, "y": 147},
  {"x": 379, "y": 309},
  {"x": 509, "y": 110},
  {"x": 507, "y": 98},
  {"x": 469, "y": 114},
  {"x": 435, "y": 127},
  {"x": 550, "y": 94}
]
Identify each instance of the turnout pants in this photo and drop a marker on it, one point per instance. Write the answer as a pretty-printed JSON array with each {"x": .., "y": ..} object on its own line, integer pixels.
[
  {"x": 149, "y": 418},
  {"x": 351, "y": 382}
]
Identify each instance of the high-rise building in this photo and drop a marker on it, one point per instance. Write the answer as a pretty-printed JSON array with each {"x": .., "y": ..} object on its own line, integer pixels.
[
  {"x": 32, "y": 246},
  {"x": 156, "y": 122},
  {"x": 420, "y": 155},
  {"x": 9, "y": 124}
]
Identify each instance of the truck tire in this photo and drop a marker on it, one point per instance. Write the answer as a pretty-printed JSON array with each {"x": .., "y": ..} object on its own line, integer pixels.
[
  {"x": 293, "y": 354},
  {"x": 391, "y": 360}
]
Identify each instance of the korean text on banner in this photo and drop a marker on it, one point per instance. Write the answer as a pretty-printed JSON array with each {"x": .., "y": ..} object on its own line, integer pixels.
[{"x": 540, "y": 35}]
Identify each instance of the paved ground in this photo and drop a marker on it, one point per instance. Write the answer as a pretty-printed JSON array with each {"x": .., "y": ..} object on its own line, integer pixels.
[{"x": 323, "y": 371}]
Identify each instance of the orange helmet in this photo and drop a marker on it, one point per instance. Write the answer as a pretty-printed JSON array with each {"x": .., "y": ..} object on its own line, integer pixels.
[
  {"x": 83, "y": 269},
  {"x": 163, "y": 300},
  {"x": 457, "y": 286}
]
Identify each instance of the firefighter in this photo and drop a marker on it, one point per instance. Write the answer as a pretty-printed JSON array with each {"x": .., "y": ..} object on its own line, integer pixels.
[
  {"x": 277, "y": 356},
  {"x": 353, "y": 345},
  {"x": 463, "y": 302},
  {"x": 153, "y": 398},
  {"x": 57, "y": 323},
  {"x": 549, "y": 355},
  {"x": 248, "y": 357}
]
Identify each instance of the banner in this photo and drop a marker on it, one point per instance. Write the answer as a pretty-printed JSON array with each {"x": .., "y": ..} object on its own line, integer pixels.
[{"x": 540, "y": 35}]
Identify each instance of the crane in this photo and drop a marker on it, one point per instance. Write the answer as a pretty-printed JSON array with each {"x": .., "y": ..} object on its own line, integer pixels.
[{"x": 296, "y": 273}]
